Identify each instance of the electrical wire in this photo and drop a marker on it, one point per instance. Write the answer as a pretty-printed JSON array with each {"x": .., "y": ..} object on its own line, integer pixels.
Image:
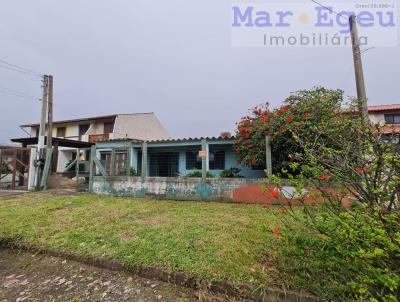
[
  {"x": 18, "y": 68},
  {"x": 330, "y": 9},
  {"x": 16, "y": 94}
]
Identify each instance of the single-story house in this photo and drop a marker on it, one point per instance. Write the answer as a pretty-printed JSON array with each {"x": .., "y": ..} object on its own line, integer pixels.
[{"x": 171, "y": 157}]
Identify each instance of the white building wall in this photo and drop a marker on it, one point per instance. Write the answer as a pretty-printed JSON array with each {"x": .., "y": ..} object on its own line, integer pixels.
[
  {"x": 64, "y": 156},
  {"x": 377, "y": 118}
]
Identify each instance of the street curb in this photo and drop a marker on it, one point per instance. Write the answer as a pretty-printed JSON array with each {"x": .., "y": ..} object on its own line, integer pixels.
[{"x": 176, "y": 278}]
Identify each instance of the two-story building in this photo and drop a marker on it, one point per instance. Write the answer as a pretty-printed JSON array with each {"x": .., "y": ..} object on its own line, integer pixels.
[
  {"x": 387, "y": 116},
  {"x": 142, "y": 126}
]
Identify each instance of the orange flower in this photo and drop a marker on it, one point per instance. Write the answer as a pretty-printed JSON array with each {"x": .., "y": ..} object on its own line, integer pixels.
[
  {"x": 282, "y": 210},
  {"x": 276, "y": 231},
  {"x": 265, "y": 206},
  {"x": 324, "y": 177}
]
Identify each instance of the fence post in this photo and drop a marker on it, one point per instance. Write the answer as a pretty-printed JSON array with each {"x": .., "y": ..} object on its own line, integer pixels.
[
  {"x": 78, "y": 153},
  {"x": 144, "y": 159},
  {"x": 112, "y": 170},
  {"x": 129, "y": 159},
  {"x": 92, "y": 167},
  {"x": 268, "y": 155},
  {"x": 204, "y": 160}
]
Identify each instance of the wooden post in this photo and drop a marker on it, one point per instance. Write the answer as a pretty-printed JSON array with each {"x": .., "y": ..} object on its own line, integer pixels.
[
  {"x": 144, "y": 159},
  {"x": 78, "y": 152},
  {"x": 204, "y": 160},
  {"x": 268, "y": 155},
  {"x": 361, "y": 93},
  {"x": 92, "y": 168}
]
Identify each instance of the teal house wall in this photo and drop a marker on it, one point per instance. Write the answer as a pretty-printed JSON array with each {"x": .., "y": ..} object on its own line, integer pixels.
[{"x": 179, "y": 147}]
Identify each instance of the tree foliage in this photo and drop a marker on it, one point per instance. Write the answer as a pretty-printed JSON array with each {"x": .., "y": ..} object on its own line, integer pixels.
[
  {"x": 305, "y": 111},
  {"x": 355, "y": 169}
]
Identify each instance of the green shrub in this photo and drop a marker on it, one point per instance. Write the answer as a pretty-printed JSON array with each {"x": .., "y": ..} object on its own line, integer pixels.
[
  {"x": 231, "y": 173},
  {"x": 351, "y": 249},
  {"x": 198, "y": 174},
  {"x": 358, "y": 257}
]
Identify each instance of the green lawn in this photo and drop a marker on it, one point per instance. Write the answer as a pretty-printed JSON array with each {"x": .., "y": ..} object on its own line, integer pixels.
[{"x": 210, "y": 240}]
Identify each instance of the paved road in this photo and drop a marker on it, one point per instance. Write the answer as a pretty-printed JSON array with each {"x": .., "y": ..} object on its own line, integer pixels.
[{"x": 29, "y": 277}]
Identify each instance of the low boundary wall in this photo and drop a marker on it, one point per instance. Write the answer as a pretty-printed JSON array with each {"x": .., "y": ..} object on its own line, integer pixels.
[{"x": 214, "y": 189}]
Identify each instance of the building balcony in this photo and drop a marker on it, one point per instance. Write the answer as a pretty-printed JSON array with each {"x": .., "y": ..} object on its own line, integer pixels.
[{"x": 98, "y": 137}]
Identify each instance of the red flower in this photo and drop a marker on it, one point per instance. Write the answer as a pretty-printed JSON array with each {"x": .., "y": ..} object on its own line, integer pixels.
[
  {"x": 276, "y": 231},
  {"x": 265, "y": 206},
  {"x": 275, "y": 192},
  {"x": 305, "y": 115},
  {"x": 253, "y": 161},
  {"x": 289, "y": 119},
  {"x": 282, "y": 210},
  {"x": 362, "y": 170},
  {"x": 324, "y": 177}
]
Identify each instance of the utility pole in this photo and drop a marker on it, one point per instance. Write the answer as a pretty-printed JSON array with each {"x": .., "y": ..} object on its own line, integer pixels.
[
  {"x": 42, "y": 132},
  {"x": 42, "y": 127},
  {"x": 50, "y": 112},
  {"x": 361, "y": 93}
]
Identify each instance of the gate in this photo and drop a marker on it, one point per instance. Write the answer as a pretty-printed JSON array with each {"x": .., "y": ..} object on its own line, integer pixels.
[{"x": 14, "y": 168}]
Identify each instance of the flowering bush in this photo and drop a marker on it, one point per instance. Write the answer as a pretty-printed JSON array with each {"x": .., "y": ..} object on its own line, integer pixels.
[
  {"x": 303, "y": 111},
  {"x": 359, "y": 244}
]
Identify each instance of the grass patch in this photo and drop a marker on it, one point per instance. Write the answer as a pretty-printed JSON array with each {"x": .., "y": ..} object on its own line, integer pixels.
[
  {"x": 213, "y": 241},
  {"x": 210, "y": 240}
]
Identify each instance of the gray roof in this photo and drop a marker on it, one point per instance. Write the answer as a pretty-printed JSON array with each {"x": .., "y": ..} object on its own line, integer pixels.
[
  {"x": 139, "y": 126},
  {"x": 171, "y": 140}
]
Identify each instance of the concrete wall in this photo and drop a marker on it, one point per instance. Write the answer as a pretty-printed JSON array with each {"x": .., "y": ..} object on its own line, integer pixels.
[
  {"x": 171, "y": 188},
  {"x": 237, "y": 190}
]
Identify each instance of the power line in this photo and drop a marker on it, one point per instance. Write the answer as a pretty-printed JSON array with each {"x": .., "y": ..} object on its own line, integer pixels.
[
  {"x": 20, "y": 68},
  {"x": 14, "y": 91},
  {"x": 16, "y": 94},
  {"x": 331, "y": 10}
]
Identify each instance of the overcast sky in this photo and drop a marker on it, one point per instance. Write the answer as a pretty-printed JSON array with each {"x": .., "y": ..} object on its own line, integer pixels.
[{"x": 171, "y": 57}]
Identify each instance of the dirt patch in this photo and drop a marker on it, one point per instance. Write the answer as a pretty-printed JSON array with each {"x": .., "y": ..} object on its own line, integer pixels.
[
  {"x": 8, "y": 193},
  {"x": 63, "y": 192},
  {"x": 128, "y": 235},
  {"x": 156, "y": 220},
  {"x": 34, "y": 277}
]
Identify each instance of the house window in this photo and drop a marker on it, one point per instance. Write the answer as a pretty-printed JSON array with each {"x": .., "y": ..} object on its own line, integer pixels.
[
  {"x": 61, "y": 131},
  {"x": 121, "y": 163},
  {"x": 193, "y": 161},
  {"x": 105, "y": 159},
  {"x": 83, "y": 129},
  {"x": 217, "y": 160},
  {"x": 392, "y": 118},
  {"x": 108, "y": 128}
]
